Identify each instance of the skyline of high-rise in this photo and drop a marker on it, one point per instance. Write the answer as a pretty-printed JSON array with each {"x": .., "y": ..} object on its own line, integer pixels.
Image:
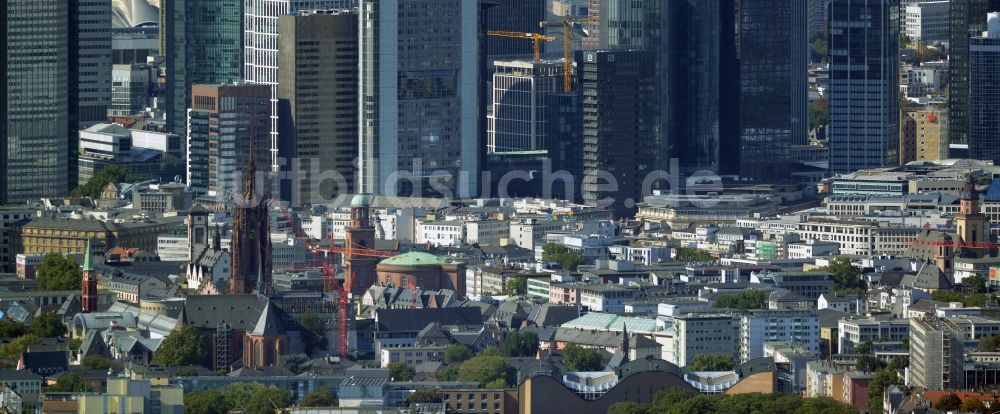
[{"x": 984, "y": 87}]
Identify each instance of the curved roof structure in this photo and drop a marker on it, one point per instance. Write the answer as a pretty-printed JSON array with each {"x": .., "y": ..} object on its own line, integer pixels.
[
  {"x": 134, "y": 13},
  {"x": 416, "y": 259}
]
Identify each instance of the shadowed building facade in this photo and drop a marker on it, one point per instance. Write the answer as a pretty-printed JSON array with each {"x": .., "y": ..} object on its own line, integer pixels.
[{"x": 251, "y": 245}]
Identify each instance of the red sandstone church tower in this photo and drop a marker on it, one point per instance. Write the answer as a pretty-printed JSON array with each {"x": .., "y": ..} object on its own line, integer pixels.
[
  {"x": 251, "y": 245},
  {"x": 359, "y": 271},
  {"x": 88, "y": 295},
  {"x": 973, "y": 225}
]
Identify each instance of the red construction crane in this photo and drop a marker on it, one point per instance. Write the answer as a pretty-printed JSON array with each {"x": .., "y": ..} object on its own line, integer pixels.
[{"x": 959, "y": 244}]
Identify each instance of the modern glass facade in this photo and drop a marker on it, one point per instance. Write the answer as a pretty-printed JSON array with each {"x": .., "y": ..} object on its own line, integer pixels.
[
  {"x": 984, "y": 98},
  {"x": 420, "y": 97},
  {"x": 514, "y": 16},
  {"x": 37, "y": 114},
  {"x": 773, "y": 85},
  {"x": 864, "y": 84},
  {"x": 204, "y": 40},
  {"x": 518, "y": 121},
  {"x": 967, "y": 20},
  {"x": 619, "y": 108},
  {"x": 702, "y": 75}
]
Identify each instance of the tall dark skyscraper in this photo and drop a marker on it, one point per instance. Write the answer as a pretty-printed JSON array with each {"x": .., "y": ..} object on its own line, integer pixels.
[
  {"x": 864, "y": 84},
  {"x": 702, "y": 78},
  {"x": 984, "y": 87},
  {"x": 619, "y": 109},
  {"x": 204, "y": 42},
  {"x": 773, "y": 85},
  {"x": 36, "y": 96},
  {"x": 513, "y": 16},
  {"x": 968, "y": 20},
  {"x": 318, "y": 97}
]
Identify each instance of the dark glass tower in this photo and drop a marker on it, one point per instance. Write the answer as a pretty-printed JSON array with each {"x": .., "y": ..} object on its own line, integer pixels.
[
  {"x": 514, "y": 16},
  {"x": 968, "y": 20},
  {"x": 864, "y": 84},
  {"x": 619, "y": 109},
  {"x": 204, "y": 41},
  {"x": 702, "y": 78},
  {"x": 984, "y": 87},
  {"x": 773, "y": 85}
]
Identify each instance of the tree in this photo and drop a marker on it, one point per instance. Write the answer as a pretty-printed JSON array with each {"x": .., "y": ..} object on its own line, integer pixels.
[
  {"x": 819, "y": 113},
  {"x": 688, "y": 254},
  {"x": 864, "y": 348},
  {"x": 568, "y": 259},
  {"x": 319, "y": 398},
  {"x": 517, "y": 344},
  {"x": 47, "y": 325},
  {"x": 517, "y": 285},
  {"x": 205, "y": 402},
  {"x": 489, "y": 371},
  {"x": 870, "y": 363},
  {"x": 96, "y": 362},
  {"x": 109, "y": 174},
  {"x": 749, "y": 299},
  {"x": 450, "y": 373},
  {"x": 975, "y": 284},
  {"x": 578, "y": 358},
  {"x": 628, "y": 407},
  {"x": 183, "y": 346},
  {"x": 707, "y": 362},
  {"x": 14, "y": 349},
  {"x": 425, "y": 397},
  {"x": 948, "y": 402},
  {"x": 255, "y": 398},
  {"x": 991, "y": 344},
  {"x": 968, "y": 300},
  {"x": 456, "y": 353},
  {"x": 58, "y": 273},
  {"x": 845, "y": 276},
  {"x": 876, "y": 388},
  {"x": 187, "y": 372},
  {"x": 69, "y": 383},
  {"x": 974, "y": 405},
  {"x": 401, "y": 371},
  {"x": 899, "y": 362},
  {"x": 10, "y": 328},
  {"x": 297, "y": 363},
  {"x": 314, "y": 334},
  {"x": 820, "y": 48}
]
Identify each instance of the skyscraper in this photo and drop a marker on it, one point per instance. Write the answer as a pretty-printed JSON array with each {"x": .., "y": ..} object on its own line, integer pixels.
[
  {"x": 420, "y": 103},
  {"x": 773, "y": 85},
  {"x": 984, "y": 88},
  {"x": 619, "y": 112},
  {"x": 318, "y": 101},
  {"x": 204, "y": 42},
  {"x": 226, "y": 122},
  {"x": 91, "y": 58},
  {"x": 260, "y": 48},
  {"x": 513, "y": 16},
  {"x": 968, "y": 19},
  {"x": 702, "y": 78},
  {"x": 36, "y": 96},
  {"x": 521, "y": 89},
  {"x": 864, "y": 84}
]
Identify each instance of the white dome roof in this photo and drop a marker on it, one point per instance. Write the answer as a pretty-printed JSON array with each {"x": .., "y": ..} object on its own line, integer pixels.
[{"x": 134, "y": 13}]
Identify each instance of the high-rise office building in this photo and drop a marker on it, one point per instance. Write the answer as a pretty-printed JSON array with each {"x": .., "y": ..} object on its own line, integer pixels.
[
  {"x": 204, "y": 42},
  {"x": 619, "y": 112},
  {"x": 260, "y": 49},
  {"x": 967, "y": 20},
  {"x": 420, "y": 97},
  {"x": 517, "y": 120},
  {"x": 864, "y": 84},
  {"x": 702, "y": 77},
  {"x": 36, "y": 124},
  {"x": 513, "y": 16},
  {"x": 318, "y": 101},
  {"x": 817, "y": 19},
  {"x": 773, "y": 85},
  {"x": 91, "y": 60},
  {"x": 936, "y": 354},
  {"x": 984, "y": 97},
  {"x": 226, "y": 123},
  {"x": 129, "y": 90}
]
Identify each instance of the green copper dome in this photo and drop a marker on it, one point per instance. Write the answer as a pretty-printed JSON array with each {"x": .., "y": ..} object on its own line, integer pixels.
[{"x": 360, "y": 200}]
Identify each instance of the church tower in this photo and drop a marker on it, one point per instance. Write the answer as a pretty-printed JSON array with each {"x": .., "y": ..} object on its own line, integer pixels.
[
  {"x": 197, "y": 223},
  {"x": 251, "y": 244},
  {"x": 360, "y": 234},
  {"x": 973, "y": 227},
  {"x": 88, "y": 294}
]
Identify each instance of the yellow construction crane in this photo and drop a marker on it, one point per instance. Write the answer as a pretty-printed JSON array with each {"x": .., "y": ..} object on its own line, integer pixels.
[
  {"x": 567, "y": 47},
  {"x": 536, "y": 37}
]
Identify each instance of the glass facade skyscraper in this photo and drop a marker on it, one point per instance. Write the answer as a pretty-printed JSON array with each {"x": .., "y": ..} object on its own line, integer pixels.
[
  {"x": 984, "y": 97},
  {"x": 204, "y": 42},
  {"x": 36, "y": 96},
  {"x": 420, "y": 97},
  {"x": 864, "y": 84},
  {"x": 773, "y": 85},
  {"x": 968, "y": 20}
]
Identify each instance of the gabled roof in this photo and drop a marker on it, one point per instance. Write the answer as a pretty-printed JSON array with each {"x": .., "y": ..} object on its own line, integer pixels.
[
  {"x": 268, "y": 323},
  {"x": 414, "y": 320}
]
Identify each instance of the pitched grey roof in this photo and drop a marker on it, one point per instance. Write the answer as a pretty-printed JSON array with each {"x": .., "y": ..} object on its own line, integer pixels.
[{"x": 417, "y": 319}]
